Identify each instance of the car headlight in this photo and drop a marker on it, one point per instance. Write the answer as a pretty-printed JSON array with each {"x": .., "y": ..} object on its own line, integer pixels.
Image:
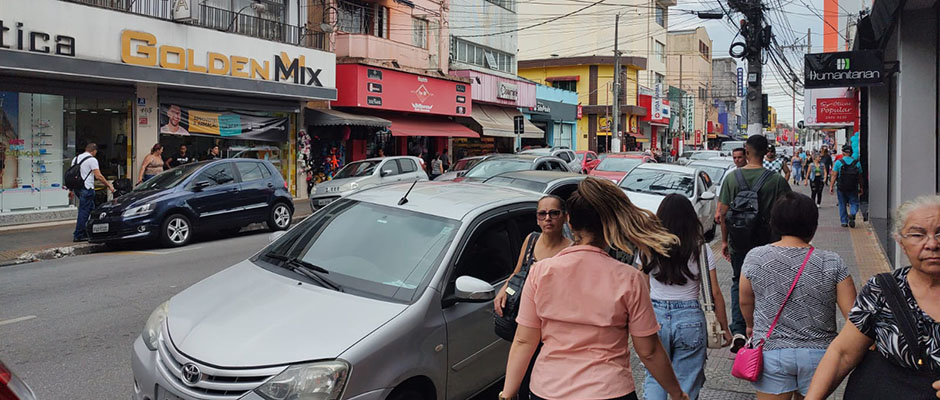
[
  {"x": 137, "y": 211},
  {"x": 314, "y": 381},
  {"x": 154, "y": 324}
]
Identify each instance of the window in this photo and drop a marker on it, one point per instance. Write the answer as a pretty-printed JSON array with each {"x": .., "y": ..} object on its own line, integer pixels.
[
  {"x": 703, "y": 48},
  {"x": 390, "y": 168},
  {"x": 507, "y": 4},
  {"x": 358, "y": 17},
  {"x": 702, "y": 94},
  {"x": 660, "y": 78},
  {"x": 405, "y": 165},
  {"x": 566, "y": 85},
  {"x": 419, "y": 36},
  {"x": 660, "y": 50},
  {"x": 251, "y": 171},
  {"x": 218, "y": 174},
  {"x": 661, "y": 16},
  {"x": 474, "y": 54}
]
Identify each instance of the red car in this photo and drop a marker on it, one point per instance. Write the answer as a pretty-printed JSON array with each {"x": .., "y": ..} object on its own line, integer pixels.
[
  {"x": 616, "y": 165},
  {"x": 589, "y": 160}
]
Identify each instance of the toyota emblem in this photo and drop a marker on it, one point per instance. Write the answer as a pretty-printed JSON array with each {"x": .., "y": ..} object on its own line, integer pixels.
[
  {"x": 191, "y": 374},
  {"x": 102, "y": 215}
]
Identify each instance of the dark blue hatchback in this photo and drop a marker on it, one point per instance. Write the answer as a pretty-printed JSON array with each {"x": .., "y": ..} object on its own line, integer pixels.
[{"x": 220, "y": 195}]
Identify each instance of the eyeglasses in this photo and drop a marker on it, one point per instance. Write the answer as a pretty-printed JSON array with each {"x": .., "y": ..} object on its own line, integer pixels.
[
  {"x": 919, "y": 237},
  {"x": 548, "y": 214}
]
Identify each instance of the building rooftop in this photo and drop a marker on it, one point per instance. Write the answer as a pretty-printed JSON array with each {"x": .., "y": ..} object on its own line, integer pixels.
[{"x": 636, "y": 62}]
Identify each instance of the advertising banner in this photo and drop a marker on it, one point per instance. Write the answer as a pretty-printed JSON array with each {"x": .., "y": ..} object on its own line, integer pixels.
[
  {"x": 183, "y": 121},
  {"x": 843, "y": 69},
  {"x": 835, "y": 110},
  {"x": 832, "y": 107}
]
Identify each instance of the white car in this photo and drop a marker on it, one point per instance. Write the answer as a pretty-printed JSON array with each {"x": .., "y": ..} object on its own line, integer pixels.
[
  {"x": 367, "y": 173},
  {"x": 648, "y": 184},
  {"x": 567, "y": 155},
  {"x": 717, "y": 169}
]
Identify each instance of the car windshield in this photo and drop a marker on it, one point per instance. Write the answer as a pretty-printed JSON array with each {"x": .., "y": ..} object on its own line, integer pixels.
[
  {"x": 657, "y": 181},
  {"x": 618, "y": 164},
  {"x": 726, "y": 147},
  {"x": 169, "y": 178},
  {"x": 361, "y": 168},
  {"x": 686, "y": 154},
  {"x": 704, "y": 155},
  {"x": 580, "y": 156},
  {"x": 369, "y": 249},
  {"x": 491, "y": 168},
  {"x": 716, "y": 173},
  {"x": 465, "y": 164},
  {"x": 516, "y": 183}
]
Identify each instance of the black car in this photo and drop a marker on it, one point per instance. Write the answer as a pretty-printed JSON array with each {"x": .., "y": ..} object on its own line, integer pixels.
[{"x": 220, "y": 195}]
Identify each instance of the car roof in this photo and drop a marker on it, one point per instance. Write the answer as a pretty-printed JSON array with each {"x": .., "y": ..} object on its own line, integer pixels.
[
  {"x": 542, "y": 151},
  {"x": 627, "y": 155},
  {"x": 444, "y": 199},
  {"x": 385, "y": 158},
  {"x": 666, "y": 167},
  {"x": 540, "y": 176},
  {"x": 713, "y": 163},
  {"x": 524, "y": 157}
]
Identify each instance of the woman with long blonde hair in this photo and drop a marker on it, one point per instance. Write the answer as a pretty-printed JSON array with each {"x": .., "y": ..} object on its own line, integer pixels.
[{"x": 582, "y": 303}]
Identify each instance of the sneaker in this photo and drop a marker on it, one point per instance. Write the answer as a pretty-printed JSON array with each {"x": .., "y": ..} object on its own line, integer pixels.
[
  {"x": 852, "y": 222},
  {"x": 81, "y": 239},
  {"x": 845, "y": 225},
  {"x": 738, "y": 342}
]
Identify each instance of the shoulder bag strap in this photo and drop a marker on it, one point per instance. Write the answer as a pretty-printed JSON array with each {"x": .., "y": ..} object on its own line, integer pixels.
[
  {"x": 739, "y": 177},
  {"x": 902, "y": 313},
  {"x": 705, "y": 276},
  {"x": 798, "y": 273},
  {"x": 80, "y": 167},
  {"x": 763, "y": 178},
  {"x": 530, "y": 251}
]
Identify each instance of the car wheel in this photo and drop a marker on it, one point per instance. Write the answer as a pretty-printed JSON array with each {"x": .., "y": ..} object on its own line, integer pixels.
[
  {"x": 176, "y": 230},
  {"x": 280, "y": 217}
]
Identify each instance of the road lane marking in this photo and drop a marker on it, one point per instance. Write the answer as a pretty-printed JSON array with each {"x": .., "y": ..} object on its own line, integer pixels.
[{"x": 15, "y": 320}]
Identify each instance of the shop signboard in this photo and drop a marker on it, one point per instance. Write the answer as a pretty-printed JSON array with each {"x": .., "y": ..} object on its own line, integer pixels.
[
  {"x": 835, "y": 110},
  {"x": 843, "y": 69},
  {"x": 689, "y": 112},
  {"x": 740, "y": 82},
  {"x": 507, "y": 91},
  {"x": 184, "y": 121},
  {"x": 400, "y": 91},
  {"x": 830, "y": 107}
]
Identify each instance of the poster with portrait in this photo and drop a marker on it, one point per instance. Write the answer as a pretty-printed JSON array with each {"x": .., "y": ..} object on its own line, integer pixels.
[{"x": 184, "y": 121}]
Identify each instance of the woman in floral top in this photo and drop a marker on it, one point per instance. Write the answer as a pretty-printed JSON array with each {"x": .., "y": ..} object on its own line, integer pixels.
[{"x": 898, "y": 368}]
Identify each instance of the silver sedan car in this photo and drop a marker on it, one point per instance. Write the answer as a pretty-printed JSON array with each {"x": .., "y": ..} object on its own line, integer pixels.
[{"x": 383, "y": 294}]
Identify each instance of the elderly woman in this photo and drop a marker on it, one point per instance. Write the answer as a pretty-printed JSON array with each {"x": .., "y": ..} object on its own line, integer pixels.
[{"x": 898, "y": 312}]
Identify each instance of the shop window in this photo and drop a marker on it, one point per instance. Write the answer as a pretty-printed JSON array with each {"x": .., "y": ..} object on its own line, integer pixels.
[
  {"x": 419, "y": 36},
  {"x": 566, "y": 85},
  {"x": 251, "y": 171}
]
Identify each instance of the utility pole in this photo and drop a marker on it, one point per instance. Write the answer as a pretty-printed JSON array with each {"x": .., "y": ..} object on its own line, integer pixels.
[
  {"x": 756, "y": 38},
  {"x": 615, "y": 125}
]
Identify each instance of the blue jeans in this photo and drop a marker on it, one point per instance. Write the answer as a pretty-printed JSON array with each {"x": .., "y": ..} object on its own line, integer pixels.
[
  {"x": 737, "y": 317},
  {"x": 788, "y": 370},
  {"x": 682, "y": 331},
  {"x": 850, "y": 197},
  {"x": 798, "y": 173},
  {"x": 86, "y": 203}
]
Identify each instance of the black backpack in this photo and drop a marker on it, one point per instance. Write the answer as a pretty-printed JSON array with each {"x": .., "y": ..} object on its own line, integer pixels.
[
  {"x": 848, "y": 176},
  {"x": 74, "y": 180},
  {"x": 743, "y": 221},
  {"x": 506, "y": 325}
]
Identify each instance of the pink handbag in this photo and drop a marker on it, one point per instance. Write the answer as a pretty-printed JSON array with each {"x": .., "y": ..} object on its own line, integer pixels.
[{"x": 749, "y": 362}]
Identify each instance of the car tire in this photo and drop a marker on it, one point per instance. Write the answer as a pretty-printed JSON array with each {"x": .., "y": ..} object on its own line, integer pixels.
[
  {"x": 279, "y": 218},
  {"x": 176, "y": 230}
]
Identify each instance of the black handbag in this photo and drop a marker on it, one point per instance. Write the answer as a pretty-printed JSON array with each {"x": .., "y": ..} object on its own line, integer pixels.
[
  {"x": 877, "y": 377},
  {"x": 506, "y": 325}
]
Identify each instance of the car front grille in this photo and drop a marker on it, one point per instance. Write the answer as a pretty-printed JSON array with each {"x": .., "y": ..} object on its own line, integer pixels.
[{"x": 214, "y": 383}]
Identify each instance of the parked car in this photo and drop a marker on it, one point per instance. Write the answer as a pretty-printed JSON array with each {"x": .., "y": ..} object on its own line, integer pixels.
[
  {"x": 690, "y": 156},
  {"x": 12, "y": 387},
  {"x": 616, "y": 165},
  {"x": 648, "y": 184},
  {"x": 370, "y": 298},
  {"x": 222, "y": 195},
  {"x": 561, "y": 184},
  {"x": 716, "y": 169},
  {"x": 499, "y": 163},
  {"x": 727, "y": 147},
  {"x": 564, "y": 153},
  {"x": 461, "y": 165},
  {"x": 589, "y": 160},
  {"x": 367, "y": 173}
]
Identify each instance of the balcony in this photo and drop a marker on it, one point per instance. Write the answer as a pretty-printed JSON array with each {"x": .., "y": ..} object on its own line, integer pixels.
[
  {"x": 372, "y": 47},
  {"x": 223, "y": 20}
]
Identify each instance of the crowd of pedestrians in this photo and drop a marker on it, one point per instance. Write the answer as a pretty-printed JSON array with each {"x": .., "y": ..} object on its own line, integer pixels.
[{"x": 576, "y": 304}]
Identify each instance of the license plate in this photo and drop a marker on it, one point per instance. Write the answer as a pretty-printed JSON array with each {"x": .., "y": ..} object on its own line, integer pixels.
[
  {"x": 162, "y": 394},
  {"x": 99, "y": 228},
  {"x": 324, "y": 202}
]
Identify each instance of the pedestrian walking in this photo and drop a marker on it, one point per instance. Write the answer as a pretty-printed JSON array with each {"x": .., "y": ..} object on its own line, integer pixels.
[
  {"x": 749, "y": 226},
  {"x": 446, "y": 160},
  {"x": 152, "y": 165},
  {"x": 88, "y": 172},
  {"x": 674, "y": 288},
  {"x": 789, "y": 293},
  {"x": 776, "y": 163},
  {"x": 581, "y": 303},
  {"x": 827, "y": 162},
  {"x": 437, "y": 166},
  {"x": 182, "y": 157},
  {"x": 739, "y": 158},
  {"x": 797, "y": 168},
  {"x": 846, "y": 174},
  {"x": 815, "y": 177},
  {"x": 542, "y": 245},
  {"x": 898, "y": 313}
]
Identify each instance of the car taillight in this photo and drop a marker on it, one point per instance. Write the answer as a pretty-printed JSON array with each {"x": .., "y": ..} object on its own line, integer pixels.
[
  {"x": 285, "y": 185},
  {"x": 11, "y": 387}
]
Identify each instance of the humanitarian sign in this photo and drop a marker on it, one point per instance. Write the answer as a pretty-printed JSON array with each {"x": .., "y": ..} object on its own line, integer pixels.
[{"x": 844, "y": 69}]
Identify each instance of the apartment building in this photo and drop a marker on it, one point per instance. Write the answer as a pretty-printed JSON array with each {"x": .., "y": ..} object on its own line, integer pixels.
[{"x": 689, "y": 68}]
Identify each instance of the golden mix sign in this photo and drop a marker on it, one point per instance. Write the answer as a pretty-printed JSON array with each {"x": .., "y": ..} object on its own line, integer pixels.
[{"x": 142, "y": 48}]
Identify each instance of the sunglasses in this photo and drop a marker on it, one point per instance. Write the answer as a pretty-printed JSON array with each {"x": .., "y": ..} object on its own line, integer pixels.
[{"x": 548, "y": 214}]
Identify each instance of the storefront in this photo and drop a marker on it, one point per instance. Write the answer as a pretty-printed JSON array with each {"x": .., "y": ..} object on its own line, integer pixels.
[
  {"x": 555, "y": 113},
  {"x": 137, "y": 81},
  {"x": 420, "y": 110},
  {"x": 496, "y": 104},
  {"x": 654, "y": 125}
]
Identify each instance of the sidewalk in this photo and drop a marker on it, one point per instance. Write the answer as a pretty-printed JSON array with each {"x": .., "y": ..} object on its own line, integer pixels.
[
  {"x": 16, "y": 241},
  {"x": 858, "y": 247}
]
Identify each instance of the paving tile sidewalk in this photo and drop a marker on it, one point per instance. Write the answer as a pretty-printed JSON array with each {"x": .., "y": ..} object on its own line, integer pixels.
[{"x": 859, "y": 249}]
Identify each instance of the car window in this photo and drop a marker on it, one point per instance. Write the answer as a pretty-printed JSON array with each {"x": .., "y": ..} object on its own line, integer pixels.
[
  {"x": 591, "y": 157},
  {"x": 564, "y": 156},
  {"x": 492, "y": 251},
  {"x": 265, "y": 172},
  {"x": 581, "y": 156},
  {"x": 218, "y": 174},
  {"x": 715, "y": 174},
  {"x": 557, "y": 166},
  {"x": 706, "y": 180},
  {"x": 655, "y": 181},
  {"x": 390, "y": 168},
  {"x": 169, "y": 179},
  {"x": 356, "y": 169},
  {"x": 618, "y": 164},
  {"x": 406, "y": 165},
  {"x": 565, "y": 191},
  {"x": 251, "y": 171},
  {"x": 493, "y": 167},
  {"x": 543, "y": 166}
]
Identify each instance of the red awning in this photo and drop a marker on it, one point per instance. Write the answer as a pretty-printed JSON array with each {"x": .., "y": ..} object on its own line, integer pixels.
[{"x": 436, "y": 127}]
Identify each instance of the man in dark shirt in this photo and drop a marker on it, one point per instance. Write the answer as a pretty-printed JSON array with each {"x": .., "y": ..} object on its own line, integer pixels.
[
  {"x": 734, "y": 249},
  {"x": 180, "y": 158}
]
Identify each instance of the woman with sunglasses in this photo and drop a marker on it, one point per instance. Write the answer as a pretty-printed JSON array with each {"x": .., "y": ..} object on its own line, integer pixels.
[{"x": 551, "y": 217}]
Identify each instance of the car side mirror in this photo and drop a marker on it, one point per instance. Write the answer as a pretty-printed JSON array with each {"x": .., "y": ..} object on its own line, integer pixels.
[
  {"x": 198, "y": 186},
  {"x": 707, "y": 196},
  {"x": 275, "y": 236},
  {"x": 473, "y": 290},
  {"x": 385, "y": 172},
  {"x": 461, "y": 174}
]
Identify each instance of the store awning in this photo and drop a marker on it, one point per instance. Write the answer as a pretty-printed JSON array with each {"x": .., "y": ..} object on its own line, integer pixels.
[
  {"x": 435, "y": 127},
  {"x": 314, "y": 117},
  {"x": 636, "y": 135},
  {"x": 499, "y": 121}
]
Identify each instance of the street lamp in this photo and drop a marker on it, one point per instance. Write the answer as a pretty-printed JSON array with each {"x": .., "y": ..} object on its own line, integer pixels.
[{"x": 256, "y": 5}]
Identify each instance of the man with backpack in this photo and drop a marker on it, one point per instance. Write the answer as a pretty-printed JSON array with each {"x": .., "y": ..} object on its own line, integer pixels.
[
  {"x": 846, "y": 173},
  {"x": 80, "y": 179},
  {"x": 744, "y": 205}
]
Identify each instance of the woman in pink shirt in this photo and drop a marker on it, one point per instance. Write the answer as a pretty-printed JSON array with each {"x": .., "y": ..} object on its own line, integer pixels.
[{"x": 582, "y": 304}]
